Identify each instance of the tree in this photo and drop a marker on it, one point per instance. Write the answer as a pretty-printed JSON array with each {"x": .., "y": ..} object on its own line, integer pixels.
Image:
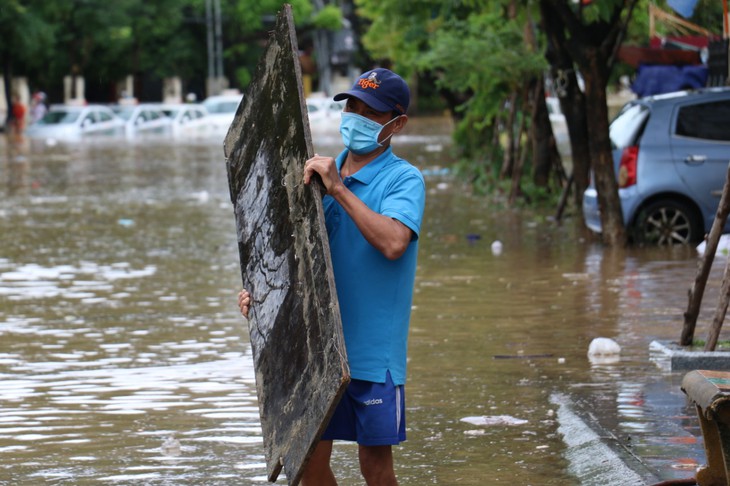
[
  {"x": 26, "y": 35},
  {"x": 589, "y": 34},
  {"x": 46, "y": 40},
  {"x": 477, "y": 55}
]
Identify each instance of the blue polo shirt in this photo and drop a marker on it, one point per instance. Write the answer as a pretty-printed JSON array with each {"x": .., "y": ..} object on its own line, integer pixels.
[{"x": 375, "y": 294}]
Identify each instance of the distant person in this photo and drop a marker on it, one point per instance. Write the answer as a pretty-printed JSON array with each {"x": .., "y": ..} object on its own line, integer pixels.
[
  {"x": 38, "y": 107},
  {"x": 373, "y": 211},
  {"x": 18, "y": 111}
]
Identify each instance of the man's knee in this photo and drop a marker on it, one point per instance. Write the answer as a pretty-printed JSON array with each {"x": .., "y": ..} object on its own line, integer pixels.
[{"x": 376, "y": 465}]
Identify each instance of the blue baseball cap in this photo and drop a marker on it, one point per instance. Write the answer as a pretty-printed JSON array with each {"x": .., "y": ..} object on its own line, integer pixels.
[{"x": 381, "y": 89}]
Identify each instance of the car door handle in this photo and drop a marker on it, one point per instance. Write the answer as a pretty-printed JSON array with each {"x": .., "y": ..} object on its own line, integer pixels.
[{"x": 695, "y": 159}]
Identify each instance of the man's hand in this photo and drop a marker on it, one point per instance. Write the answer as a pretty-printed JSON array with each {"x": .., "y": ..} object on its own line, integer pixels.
[
  {"x": 244, "y": 302},
  {"x": 327, "y": 170}
]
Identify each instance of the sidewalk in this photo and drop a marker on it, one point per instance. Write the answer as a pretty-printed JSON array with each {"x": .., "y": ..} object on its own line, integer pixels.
[{"x": 670, "y": 446}]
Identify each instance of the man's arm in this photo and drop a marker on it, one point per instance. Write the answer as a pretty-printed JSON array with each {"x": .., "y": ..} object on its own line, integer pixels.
[{"x": 387, "y": 235}]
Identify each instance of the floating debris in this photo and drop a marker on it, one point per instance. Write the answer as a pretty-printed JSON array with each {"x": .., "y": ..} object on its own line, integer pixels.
[
  {"x": 604, "y": 351},
  {"x": 171, "y": 447},
  {"x": 488, "y": 420}
]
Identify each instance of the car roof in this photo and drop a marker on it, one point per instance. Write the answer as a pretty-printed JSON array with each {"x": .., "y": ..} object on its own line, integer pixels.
[
  {"x": 78, "y": 107},
  {"x": 709, "y": 93}
]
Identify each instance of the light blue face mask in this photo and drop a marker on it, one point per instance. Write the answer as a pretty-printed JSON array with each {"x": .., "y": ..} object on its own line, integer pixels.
[{"x": 360, "y": 134}]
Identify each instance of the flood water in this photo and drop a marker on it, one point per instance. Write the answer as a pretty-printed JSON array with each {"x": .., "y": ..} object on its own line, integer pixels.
[{"x": 124, "y": 359}]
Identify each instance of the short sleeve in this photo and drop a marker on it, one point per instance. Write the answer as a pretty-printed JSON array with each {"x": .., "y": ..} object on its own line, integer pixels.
[{"x": 405, "y": 200}]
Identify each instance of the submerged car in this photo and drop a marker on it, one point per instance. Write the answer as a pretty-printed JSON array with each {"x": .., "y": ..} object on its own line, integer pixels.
[
  {"x": 320, "y": 108},
  {"x": 221, "y": 110},
  {"x": 73, "y": 122},
  {"x": 188, "y": 119},
  {"x": 143, "y": 119},
  {"x": 671, "y": 155}
]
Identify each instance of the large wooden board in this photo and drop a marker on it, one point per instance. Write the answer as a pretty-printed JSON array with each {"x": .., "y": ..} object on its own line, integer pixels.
[{"x": 295, "y": 328}]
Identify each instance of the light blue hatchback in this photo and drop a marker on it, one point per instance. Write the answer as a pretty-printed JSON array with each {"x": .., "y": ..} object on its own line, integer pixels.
[{"x": 671, "y": 155}]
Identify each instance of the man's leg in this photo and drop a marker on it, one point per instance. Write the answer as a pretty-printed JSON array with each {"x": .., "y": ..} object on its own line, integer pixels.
[
  {"x": 318, "y": 471},
  {"x": 376, "y": 465}
]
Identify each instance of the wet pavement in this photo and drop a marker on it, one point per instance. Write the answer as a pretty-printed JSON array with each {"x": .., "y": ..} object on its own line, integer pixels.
[{"x": 124, "y": 360}]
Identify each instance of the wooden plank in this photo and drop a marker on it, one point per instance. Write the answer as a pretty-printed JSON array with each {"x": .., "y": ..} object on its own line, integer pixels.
[{"x": 295, "y": 328}]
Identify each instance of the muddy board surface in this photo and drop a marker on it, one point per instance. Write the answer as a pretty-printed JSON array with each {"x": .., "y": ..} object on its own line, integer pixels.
[{"x": 294, "y": 322}]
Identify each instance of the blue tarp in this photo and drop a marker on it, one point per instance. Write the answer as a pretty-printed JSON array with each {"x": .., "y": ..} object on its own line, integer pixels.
[
  {"x": 653, "y": 80},
  {"x": 685, "y": 8}
]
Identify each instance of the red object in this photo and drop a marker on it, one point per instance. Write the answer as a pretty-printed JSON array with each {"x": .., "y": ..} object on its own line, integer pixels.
[
  {"x": 627, "y": 167},
  {"x": 18, "y": 110},
  {"x": 696, "y": 41},
  {"x": 635, "y": 56}
]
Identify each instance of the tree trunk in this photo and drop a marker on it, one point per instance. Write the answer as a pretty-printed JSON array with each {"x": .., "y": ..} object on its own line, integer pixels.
[
  {"x": 592, "y": 45},
  {"x": 595, "y": 76},
  {"x": 508, "y": 160},
  {"x": 714, "y": 333},
  {"x": 698, "y": 288},
  {"x": 572, "y": 100},
  {"x": 545, "y": 154},
  {"x": 7, "y": 79}
]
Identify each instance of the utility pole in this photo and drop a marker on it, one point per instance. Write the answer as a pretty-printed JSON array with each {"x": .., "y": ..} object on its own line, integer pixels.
[{"x": 215, "y": 81}]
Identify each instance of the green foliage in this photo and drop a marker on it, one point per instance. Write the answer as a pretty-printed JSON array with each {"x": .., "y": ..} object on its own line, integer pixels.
[
  {"x": 329, "y": 18},
  {"x": 472, "y": 49},
  {"x": 104, "y": 41}
]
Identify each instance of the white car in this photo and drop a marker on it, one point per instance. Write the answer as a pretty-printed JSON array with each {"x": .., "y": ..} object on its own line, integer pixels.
[
  {"x": 188, "y": 119},
  {"x": 143, "y": 119},
  {"x": 324, "y": 108},
  {"x": 75, "y": 122},
  {"x": 221, "y": 110},
  {"x": 324, "y": 114}
]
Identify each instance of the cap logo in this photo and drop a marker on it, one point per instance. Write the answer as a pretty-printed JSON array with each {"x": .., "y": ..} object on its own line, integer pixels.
[{"x": 372, "y": 81}]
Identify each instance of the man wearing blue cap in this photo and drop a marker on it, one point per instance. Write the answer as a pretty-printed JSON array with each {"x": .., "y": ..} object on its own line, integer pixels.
[{"x": 373, "y": 211}]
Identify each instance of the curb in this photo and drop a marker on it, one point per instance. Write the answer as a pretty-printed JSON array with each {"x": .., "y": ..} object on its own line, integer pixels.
[
  {"x": 673, "y": 357},
  {"x": 595, "y": 457}
]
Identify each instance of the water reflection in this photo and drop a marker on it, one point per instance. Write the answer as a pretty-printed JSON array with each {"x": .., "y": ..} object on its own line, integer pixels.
[{"x": 124, "y": 360}]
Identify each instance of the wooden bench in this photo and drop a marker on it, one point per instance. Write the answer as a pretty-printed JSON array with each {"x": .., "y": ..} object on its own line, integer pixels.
[{"x": 709, "y": 391}]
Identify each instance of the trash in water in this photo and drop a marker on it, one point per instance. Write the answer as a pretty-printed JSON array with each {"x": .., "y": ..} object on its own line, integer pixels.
[
  {"x": 496, "y": 248},
  {"x": 126, "y": 222},
  {"x": 171, "y": 447},
  {"x": 494, "y": 420}
]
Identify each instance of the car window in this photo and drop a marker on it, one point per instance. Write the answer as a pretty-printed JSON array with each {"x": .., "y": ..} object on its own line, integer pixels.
[
  {"x": 103, "y": 116},
  {"x": 58, "y": 117},
  {"x": 708, "y": 121},
  {"x": 626, "y": 127},
  {"x": 124, "y": 113}
]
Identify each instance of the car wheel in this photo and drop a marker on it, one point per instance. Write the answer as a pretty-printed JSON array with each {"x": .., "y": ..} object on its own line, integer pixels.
[{"x": 667, "y": 222}]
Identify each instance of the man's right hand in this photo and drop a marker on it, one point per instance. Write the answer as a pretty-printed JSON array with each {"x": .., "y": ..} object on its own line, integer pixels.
[{"x": 244, "y": 302}]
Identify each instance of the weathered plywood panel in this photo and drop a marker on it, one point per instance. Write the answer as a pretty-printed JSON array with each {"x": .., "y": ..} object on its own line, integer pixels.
[{"x": 295, "y": 328}]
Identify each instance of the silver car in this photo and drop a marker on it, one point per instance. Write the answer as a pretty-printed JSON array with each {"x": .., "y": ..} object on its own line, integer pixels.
[
  {"x": 188, "y": 119},
  {"x": 671, "y": 155},
  {"x": 70, "y": 122},
  {"x": 143, "y": 119}
]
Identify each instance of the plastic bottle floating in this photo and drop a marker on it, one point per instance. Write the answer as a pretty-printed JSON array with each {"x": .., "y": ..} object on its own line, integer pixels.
[{"x": 603, "y": 351}]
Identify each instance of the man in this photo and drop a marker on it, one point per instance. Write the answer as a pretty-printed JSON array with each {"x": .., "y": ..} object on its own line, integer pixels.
[{"x": 373, "y": 211}]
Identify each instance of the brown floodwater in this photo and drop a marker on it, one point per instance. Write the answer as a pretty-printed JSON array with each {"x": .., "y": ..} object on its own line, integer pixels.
[{"x": 124, "y": 359}]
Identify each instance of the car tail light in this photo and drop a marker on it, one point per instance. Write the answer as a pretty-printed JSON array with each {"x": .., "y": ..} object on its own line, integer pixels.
[{"x": 627, "y": 167}]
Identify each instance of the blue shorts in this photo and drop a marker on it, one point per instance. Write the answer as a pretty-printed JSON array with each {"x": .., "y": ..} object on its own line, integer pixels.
[{"x": 371, "y": 414}]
